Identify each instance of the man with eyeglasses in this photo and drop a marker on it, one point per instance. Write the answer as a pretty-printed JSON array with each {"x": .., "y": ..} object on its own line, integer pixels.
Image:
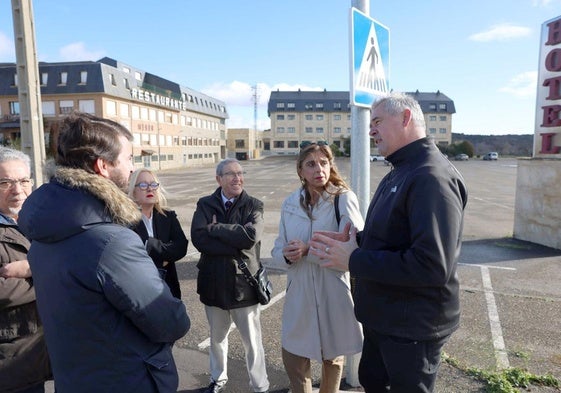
[
  {"x": 109, "y": 319},
  {"x": 228, "y": 225},
  {"x": 24, "y": 362}
]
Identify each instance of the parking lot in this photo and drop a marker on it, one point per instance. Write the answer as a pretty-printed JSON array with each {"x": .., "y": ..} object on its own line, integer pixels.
[{"x": 510, "y": 291}]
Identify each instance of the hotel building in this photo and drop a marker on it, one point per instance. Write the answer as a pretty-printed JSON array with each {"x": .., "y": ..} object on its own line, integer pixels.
[{"x": 172, "y": 125}]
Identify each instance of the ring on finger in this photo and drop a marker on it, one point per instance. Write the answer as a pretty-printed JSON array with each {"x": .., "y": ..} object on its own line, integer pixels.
[{"x": 327, "y": 250}]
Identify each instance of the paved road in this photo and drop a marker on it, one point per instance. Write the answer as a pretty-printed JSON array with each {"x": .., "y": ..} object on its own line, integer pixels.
[{"x": 509, "y": 289}]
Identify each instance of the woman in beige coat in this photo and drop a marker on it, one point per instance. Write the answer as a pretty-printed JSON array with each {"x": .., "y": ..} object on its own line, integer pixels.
[{"x": 318, "y": 320}]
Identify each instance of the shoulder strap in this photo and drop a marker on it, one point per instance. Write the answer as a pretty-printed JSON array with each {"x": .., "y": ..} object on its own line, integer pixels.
[
  {"x": 336, "y": 205},
  {"x": 243, "y": 267}
]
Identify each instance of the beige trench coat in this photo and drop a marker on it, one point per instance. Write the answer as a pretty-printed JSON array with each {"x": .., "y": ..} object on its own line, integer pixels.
[{"x": 318, "y": 319}]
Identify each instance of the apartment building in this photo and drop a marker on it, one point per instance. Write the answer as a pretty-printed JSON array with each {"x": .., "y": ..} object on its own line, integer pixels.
[
  {"x": 298, "y": 116},
  {"x": 172, "y": 125},
  {"x": 438, "y": 110}
]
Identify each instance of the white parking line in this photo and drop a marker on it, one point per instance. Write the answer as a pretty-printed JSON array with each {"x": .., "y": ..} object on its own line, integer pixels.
[
  {"x": 496, "y": 330},
  {"x": 488, "y": 266}
]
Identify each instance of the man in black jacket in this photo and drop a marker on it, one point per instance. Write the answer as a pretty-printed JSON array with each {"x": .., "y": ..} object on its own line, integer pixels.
[
  {"x": 24, "y": 362},
  {"x": 404, "y": 262},
  {"x": 228, "y": 225}
]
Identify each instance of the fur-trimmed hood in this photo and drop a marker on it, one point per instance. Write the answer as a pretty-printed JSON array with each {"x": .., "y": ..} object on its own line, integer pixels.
[{"x": 73, "y": 201}]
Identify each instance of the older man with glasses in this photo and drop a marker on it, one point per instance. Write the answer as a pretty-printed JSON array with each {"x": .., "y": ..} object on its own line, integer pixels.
[
  {"x": 227, "y": 227},
  {"x": 24, "y": 363}
]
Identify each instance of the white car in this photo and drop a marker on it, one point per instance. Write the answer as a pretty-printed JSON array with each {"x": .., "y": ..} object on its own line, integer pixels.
[{"x": 377, "y": 157}]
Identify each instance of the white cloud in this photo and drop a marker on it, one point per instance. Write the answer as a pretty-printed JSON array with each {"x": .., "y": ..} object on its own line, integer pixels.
[
  {"x": 242, "y": 93},
  {"x": 7, "y": 49},
  {"x": 77, "y": 51},
  {"x": 239, "y": 99},
  {"x": 522, "y": 85},
  {"x": 501, "y": 32}
]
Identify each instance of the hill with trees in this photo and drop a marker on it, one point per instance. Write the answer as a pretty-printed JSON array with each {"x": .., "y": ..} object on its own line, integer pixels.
[{"x": 505, "y": 145}]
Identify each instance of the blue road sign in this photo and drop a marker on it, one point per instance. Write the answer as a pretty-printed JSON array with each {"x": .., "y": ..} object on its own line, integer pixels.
[{"x": 370, "y": 59}]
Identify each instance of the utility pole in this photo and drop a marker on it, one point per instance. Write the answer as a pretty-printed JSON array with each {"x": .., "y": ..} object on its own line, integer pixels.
[
  {"x": 360, "y": 140},
  {"x": 255, "y": 103},
  {"x": 29, "y": 90}
]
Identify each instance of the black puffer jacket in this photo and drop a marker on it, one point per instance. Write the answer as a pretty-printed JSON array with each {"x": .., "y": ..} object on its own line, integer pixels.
[
  {"x": 220, "y": 282},
  {"x": 405, "y": 268}
]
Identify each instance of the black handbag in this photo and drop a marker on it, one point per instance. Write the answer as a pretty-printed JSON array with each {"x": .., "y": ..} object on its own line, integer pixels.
[{"x": 260, "y": 282}]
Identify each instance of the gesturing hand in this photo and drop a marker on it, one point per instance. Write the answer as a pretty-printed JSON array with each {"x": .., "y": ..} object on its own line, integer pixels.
[{"x": 334, "y": 253}]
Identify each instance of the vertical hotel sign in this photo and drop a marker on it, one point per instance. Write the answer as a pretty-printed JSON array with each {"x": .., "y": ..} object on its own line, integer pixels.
[{"x": 547, "y": 134}]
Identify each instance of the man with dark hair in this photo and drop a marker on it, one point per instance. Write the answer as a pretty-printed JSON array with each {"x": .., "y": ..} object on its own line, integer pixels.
[
  {"x": 227, "y": 226},
  {"x": 24, "y": 362},
  {"x": 109, "y": 319},
  {"x": 404, "y": 261}
]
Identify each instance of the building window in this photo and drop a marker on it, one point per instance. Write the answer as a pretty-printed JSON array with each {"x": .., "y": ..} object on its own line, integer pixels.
[
  {"x": 337, "y": 130},
  {"x": 291, "y": 105},
  {"x": 432, "y": 118},
  {"x": 280, "y": 117},
  {"x": 319, "y": 105},
  {"x": 66, "y": 106},
  {"x": 87, "y": 106},
  {"x": 442, "y": 130},
  {"x": 280, "y": 105},
  {"x": 137, "y": 76},
  {"x": 44, "y": 78},
  {"x": 290, "y": 117},
  {"x": 14, "y": 108},
  {"x": 112, "y": 79},
  {"x": 62, "y": 78},
  {"x": 124, "y": 110},
  {"x": 308, "y": 106},
  {"x": 319, "y": 117},
  {"x": 432, "y": 107},
  {"x": 240, "y": 144},
  {"x": 292, "y": 144},
  {"x": 48, "y": 108},
  {"x": 135, "y": 112},
  {"x": 309, "y": 130},
  {"x": 280, "y": 130},
  {"x": 111, "y": 107},
  {"x": 319, "y": 130},
  {"x": 83, "y": 77},
  {"x": 309, "y": 117},
  {"x": 336, "y": 117},
  {"x": 442, "y": 107},
  {"x": 337, "y": 105},
  {"x": 432, "y": 130},
  {"x": 442, "y": 118},
  {"x": 291, "y": 130},
  {"x": 278, "y": 144},
  {"x": 127, "y": 84},
  {"x": 126, "y": 70}
]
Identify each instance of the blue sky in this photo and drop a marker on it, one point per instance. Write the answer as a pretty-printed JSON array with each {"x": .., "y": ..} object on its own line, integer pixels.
[{"x": 482, "y": 54}]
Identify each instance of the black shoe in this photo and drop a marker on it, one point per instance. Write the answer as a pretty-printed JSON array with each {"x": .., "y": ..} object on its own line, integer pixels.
[{"x": 215, "y": 388}]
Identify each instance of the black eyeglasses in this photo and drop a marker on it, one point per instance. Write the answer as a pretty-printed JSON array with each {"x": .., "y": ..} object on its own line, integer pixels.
[
  {"x": 305, "y": 144},
  {"x": 144, "y": 186}
]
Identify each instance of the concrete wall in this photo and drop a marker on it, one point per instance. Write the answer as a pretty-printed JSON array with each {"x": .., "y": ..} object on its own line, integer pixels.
[{"x": 537, "y": 216}]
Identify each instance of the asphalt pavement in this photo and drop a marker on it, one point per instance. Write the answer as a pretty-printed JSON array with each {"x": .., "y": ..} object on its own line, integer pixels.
[{"x": 510, "y": 292}]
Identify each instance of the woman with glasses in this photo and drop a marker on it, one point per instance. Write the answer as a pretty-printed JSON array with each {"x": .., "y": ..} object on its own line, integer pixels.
[
  {"x": 318, "y": 320},
  {"x": 159, "y": 229}
]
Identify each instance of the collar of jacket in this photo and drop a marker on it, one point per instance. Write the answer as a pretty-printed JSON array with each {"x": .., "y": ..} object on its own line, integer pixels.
[
  {"x": 413, "y": 149},
  {"x": 120, "y": 207}
]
